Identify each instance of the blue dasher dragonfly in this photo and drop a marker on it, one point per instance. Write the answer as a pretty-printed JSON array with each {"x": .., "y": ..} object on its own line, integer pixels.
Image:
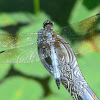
[{"x": 55, "y": 52}]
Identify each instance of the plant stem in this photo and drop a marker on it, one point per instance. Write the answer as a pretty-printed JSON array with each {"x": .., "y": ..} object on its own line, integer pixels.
[{"x": 36, "y": 6}]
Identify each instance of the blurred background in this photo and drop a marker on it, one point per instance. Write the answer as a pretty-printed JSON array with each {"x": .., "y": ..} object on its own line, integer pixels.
[{"x": 32, "y": 81}]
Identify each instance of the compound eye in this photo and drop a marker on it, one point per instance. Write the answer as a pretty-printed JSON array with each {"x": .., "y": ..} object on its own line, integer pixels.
[{"x": 47, "y": 23}]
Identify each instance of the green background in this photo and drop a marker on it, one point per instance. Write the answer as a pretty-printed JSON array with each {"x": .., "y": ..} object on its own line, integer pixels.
[{"x": 32, "y": 81}]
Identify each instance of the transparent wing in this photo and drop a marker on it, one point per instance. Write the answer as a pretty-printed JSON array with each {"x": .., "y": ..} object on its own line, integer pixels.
[
  {"x": 9, "y": 41},
  {"x": 83, "y": 36},
  {"x": 18, "y": 48},
  {"x": 27, "y": 54}
]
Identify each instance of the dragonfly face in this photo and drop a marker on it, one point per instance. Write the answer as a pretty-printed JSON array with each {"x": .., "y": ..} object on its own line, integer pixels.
[{"x": 48, "y": 25}]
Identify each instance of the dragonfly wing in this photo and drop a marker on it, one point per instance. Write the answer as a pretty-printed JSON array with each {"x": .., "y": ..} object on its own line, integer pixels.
[
  {"x": 85, "y": 33},
  {"x": 10, "y": 41},
  {"x": 26, "y": 54}
]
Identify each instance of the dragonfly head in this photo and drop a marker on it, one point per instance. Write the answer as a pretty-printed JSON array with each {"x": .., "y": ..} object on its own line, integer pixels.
[{"x": 48, "y": 25}]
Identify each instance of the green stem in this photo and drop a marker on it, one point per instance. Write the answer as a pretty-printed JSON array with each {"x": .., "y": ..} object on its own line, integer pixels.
[{"x": 36, "y": 6}]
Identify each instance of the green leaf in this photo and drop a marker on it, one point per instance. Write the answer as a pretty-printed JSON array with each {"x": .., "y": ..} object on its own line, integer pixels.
[
  {"x": 80, "y": 12},
  {"x": 54, "y": 97},
  {"x": 6, "y": 20},
  {"x": 19, "y": 88},
  {"x": 35, "y": 69},
  {"x": 4, "y": 68}
]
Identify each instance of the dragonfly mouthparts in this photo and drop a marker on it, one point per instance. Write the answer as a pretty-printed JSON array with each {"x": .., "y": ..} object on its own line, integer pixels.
[{"x": 58, "y": 83}]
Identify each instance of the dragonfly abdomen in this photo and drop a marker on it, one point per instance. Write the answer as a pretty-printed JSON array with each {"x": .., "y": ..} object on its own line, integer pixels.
[{"x": 55, "y": 65}]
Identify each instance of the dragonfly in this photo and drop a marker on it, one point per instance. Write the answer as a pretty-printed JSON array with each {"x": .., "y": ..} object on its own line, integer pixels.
[{"x": 55, "y": 52}]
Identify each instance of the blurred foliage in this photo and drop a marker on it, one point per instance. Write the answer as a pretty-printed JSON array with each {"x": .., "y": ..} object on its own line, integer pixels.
[{"x": 32, "y": 81}]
